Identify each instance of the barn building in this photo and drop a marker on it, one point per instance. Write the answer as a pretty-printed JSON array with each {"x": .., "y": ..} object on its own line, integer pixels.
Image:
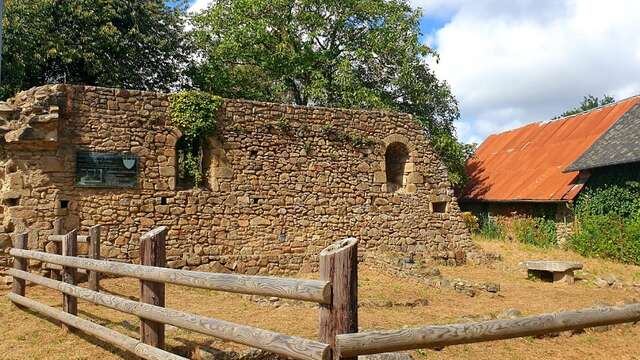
[{"x": 540, "y": 169}]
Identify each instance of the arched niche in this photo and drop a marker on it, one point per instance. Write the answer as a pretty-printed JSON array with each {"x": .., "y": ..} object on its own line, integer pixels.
[{"x": 396, "y": 158}]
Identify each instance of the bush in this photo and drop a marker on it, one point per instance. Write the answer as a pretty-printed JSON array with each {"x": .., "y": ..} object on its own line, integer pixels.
[
  {"x": 491, "y": 229},
  {"x": 609, "y": 222},
  {"x": 618, "y": 199},
  {"x": 608, "y": 236},
  {"x": 471, "y": 221},
  {"x": 537, "y": 231}
]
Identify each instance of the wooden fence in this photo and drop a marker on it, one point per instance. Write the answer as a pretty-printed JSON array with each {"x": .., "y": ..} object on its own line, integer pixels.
[
  {"x": 338, "y": 310},
  {"x": 54, "y": 243},
  {"x": 335, "y": 292}
]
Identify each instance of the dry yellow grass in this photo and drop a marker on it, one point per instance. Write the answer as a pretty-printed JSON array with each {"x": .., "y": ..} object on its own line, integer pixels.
[{"x": 28, "y": 336}]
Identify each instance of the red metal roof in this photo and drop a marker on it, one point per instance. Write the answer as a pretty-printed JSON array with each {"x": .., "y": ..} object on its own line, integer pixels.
[{"x": 526, "y": 164}]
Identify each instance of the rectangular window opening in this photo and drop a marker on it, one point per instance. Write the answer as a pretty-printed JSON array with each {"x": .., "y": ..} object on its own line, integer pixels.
[
  {"x": 439, "y": 206},
  {"x": 11, "y": 202}
]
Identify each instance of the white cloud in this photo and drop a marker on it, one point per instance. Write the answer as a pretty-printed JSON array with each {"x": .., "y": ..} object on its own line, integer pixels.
[
  {"x": 513, "y": 62},
  {"x": 199, "y": 5}
]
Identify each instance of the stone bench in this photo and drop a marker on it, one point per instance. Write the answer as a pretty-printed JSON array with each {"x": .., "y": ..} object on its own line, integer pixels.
[{"x": 552, "y": 271}]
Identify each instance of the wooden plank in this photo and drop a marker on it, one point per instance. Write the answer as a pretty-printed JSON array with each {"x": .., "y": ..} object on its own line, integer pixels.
[
  {"x": 306, "y": 290},
  {"x": 94, "y": 253},
  {"x": 444, "y": 335},
  {"x": 60, "y": 238},
  {"x": 69, "y": 248},
  {"x": 58, "y": 230},
  {"x": 339, "y": 264},
  {"x": 105, "y": 334},
  {"x": 291, "y": 346},
  {"x": 20, "y": 242},
  {"x": 152, "y": 253}
]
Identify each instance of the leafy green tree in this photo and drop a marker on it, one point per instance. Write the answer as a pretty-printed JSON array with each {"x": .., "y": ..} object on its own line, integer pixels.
[
  {"x": 589, "y": 102},
  {"x": 119, "y": 43},
  {"x": 338, "y": 53}
]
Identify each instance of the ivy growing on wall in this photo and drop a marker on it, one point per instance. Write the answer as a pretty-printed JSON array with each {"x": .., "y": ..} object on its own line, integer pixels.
[
  {"x": 195, "y": 113},
  {"x": 356, "y": 140}
]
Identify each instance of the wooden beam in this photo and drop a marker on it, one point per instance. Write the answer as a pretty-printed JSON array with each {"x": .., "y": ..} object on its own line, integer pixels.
[
  {"x": 60, "y": 238},
  {"x": 94, "y": 253},
  {"x": 290, "y": 346},
  {"x": 339, "y": 265},
  {"x": 152, "y": 253},
  {"x": 58, "y": 230},
  {"x": 306, "y": 290},
  {"x": 20, "y": 242},
  {"x": 70, "y": 249},
  {"x": 105, "y": 334},
  {"x": 444, "y": 335}
]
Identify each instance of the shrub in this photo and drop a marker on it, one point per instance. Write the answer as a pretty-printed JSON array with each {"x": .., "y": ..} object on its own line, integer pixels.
[
  {"x": 618, "y": 199},
  {"x": 608, "y": 236},
  {"x": 609, "y": 222},
  {"x": 491, "y": 229},
  {"x": 537, "y": 231},
  {"x": 471, "y": 221}
]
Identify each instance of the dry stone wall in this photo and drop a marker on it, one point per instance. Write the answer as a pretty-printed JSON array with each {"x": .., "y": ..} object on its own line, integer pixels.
[{"x": 283, "y": 181}]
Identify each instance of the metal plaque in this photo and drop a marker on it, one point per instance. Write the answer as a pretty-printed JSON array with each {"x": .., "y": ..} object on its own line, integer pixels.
[{"x": 113, "y": 170}]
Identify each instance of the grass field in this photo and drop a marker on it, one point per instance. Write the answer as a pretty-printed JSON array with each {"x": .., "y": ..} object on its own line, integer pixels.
[{"x": 25, "y": 335}]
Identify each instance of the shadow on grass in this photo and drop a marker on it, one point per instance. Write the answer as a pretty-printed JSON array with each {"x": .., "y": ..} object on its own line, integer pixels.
[
  {"x": 130, "y": 297},
  {"x": 188, "y": 347},
  {"x": 126, "y": 324},
  {"x": 93, "y": 340}
]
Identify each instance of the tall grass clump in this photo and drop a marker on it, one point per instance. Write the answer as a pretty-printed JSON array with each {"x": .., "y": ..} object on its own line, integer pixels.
[
  {"x": 536, "y": 231},
  {"x": 491, "y": 229}
]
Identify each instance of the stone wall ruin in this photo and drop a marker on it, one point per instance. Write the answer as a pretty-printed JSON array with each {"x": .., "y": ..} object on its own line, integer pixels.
[{"x": 274, "y": 196}]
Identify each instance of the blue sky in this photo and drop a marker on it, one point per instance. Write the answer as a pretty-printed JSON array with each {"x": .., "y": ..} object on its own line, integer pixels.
[{"x": 512, "y": 62}]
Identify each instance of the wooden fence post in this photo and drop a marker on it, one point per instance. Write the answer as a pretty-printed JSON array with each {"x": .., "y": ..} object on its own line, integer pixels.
[
  {"x": 58, "y": 229},
  {"x": 152, "y": 253},
  {"x": 69, "y": 248},
  {"x": 94, "y": 253},
  {"x": 339, "y": 265},
  {"x": 19, "y": 285}
]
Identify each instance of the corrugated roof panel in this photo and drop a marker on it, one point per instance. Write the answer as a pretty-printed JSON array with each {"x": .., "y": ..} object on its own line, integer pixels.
[{"x": 527, "y": 163}]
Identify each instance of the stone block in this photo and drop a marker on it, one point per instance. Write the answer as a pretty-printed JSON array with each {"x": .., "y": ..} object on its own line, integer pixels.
[
  {"x": 167, "y": 171},
  {"x": 259, "y": 221},
  {"x": 415, "y": 178},
  {"x": 379, "y": 177}
]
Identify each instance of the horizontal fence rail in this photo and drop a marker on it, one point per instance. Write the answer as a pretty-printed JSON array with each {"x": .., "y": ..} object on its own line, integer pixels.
[
  {"x": 306, "y": 290},
  {"x": 60, "y": 238},
  {"x": 348, "y": 345},
  {"x": 282, "y": 344},
  {"x": 103, "y": 333}
]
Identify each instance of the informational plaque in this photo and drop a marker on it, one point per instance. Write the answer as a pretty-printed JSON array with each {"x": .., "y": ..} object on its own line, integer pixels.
[{"x": 106, "y": 170}]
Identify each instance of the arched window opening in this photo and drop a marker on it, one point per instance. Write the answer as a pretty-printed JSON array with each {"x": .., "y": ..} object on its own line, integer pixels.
[
  {"x": 188, "y": 164},
  {"x": 396, "y": 158}
]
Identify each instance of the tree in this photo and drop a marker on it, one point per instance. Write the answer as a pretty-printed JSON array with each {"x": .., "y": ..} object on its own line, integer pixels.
[
  {"x": 339, "y": 53},
  {"x": 589, "y": 102},
  {"x": 118, "y": 43}
]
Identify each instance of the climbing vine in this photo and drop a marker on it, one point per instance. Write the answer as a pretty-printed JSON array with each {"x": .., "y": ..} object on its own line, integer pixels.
[
  {"x": 195, "y": 114},
  {"x": 338, "y": 135}
]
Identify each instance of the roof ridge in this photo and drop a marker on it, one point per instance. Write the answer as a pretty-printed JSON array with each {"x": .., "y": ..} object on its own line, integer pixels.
[
  {"x": 599, "y": 107},
  {"x": 544, "y": 122}
]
